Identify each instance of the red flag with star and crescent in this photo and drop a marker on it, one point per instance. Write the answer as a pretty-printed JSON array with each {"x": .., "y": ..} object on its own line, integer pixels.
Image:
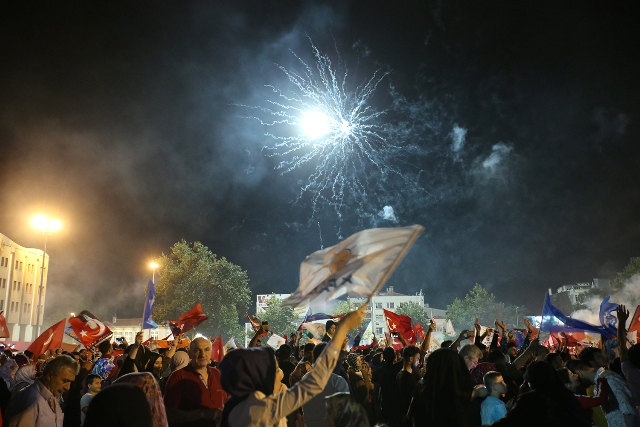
[
  {"x": 4, "y": 330},
  {"x": 49, "y": 339},
  {"x": 89, "y": 329},
  {"x": 400, "y": 323}
]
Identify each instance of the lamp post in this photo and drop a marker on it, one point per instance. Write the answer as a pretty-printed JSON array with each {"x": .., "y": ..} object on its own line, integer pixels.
[
  {"x": 154, "y": 265},
  {"x": 47, "y": 226}
]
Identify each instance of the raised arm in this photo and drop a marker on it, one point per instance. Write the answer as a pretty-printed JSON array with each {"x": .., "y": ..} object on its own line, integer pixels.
[{"x": 623, "y": 315}]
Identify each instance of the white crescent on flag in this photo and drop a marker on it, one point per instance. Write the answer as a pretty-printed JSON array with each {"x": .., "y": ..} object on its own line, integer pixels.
[{"x": 48, "y": 341}]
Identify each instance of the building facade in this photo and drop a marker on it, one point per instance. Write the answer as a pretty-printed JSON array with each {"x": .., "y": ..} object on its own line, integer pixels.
[
  {"x": 391, "y": 300},
  {"x": 20, "y": 272},
  {"x": 128, "y": 328}
]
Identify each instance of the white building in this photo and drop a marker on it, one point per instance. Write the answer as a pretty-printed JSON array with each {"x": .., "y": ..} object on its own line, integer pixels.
[
  {"x": 576, "y": 291},
  {"x": 391, "y": 300},
  {"x": 20, "y": 272},
  {"x": 128, "y": 328}
]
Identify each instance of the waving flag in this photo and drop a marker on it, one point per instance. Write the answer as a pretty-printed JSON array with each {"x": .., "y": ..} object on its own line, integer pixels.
[
  {"x": 607, "y": 319},
  {"x": 188, "y": 321},
  {"x": 217, "y": 350},
  {"x": 553, "y": 320},
  {"x": 358, "y": 265},
  {"x": 147, "y": 321},
  {"x": 256, "y": 324},
  {"x": 4, "y": 330},
  {"x": 89, "y": 330},
  {"x": 275, "y": 341},
  {"x": 367, "y": 335},
  {"x": 400, "y": 323},
  {"x": 49, "y": 339},
  {"x": 419, "y": 331},
  {"x": 635, "y": 321}
]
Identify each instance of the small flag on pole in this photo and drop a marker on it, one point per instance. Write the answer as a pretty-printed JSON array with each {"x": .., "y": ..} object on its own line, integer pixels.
[
  {"x": 4, "y": 330},
  {"x": 359, "y": 265},
  {"x": 147, "y": 320},
  {"x": 49, "y": 339}
]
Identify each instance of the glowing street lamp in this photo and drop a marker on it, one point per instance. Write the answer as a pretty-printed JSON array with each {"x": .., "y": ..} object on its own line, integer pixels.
[
  {"x": 47, "y": 226},
  {"x": 154, "y": 265}
]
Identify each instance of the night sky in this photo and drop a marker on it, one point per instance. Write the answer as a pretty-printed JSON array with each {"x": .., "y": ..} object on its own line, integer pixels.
[{"x": 126, "y": 121}]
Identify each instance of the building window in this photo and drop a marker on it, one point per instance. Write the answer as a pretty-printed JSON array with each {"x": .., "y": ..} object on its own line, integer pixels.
[
  {"x": 4, "y": 283},
  {"x": 12, "y": 303},
  {"x": 378, "y": 331},
  {"x": 154, "y": 334},
  {"x": 390, "y": 305},
  {"x": 17, "y": 264},
  {"x": 378, "y": 305},
  {"x": 1, "y": 304},
  {"x": 128, "y": 335},
  {"x": 14, "y": 285}
]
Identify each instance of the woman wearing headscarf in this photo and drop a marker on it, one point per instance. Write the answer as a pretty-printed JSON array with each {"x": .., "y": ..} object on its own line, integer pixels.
[
  {"x": 25, "y": 376},
  {"x": 178, "y": 361},
  {"x": 549, "y": 403},
  {"x": 344, "y": 411},
  {"x": 444, "y": 392},
  {"x": 249, "y": 376},
  {"x": 119, "y": 405},
  {"x": 146, "y": 382},
  {"x": 7, "y": 372}
]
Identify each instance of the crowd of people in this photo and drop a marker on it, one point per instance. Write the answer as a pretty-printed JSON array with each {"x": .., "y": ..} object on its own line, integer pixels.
[{"x": 503, "y": 383}]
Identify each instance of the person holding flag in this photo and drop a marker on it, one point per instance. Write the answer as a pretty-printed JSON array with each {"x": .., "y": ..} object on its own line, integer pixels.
[{"x": 248, "y": 375}]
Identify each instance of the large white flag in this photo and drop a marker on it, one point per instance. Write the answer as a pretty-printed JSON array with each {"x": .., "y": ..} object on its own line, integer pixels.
[
  {"x": 359, "y": 265},
  {"x": 275, "y": 341}
]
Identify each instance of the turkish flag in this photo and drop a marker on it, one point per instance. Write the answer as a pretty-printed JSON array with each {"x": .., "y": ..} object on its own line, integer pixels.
[
  {"x": 51, "y": 338},
  {"x": 188, "y": 321},
  {"x": 217, "y": 350},
  {"x": 4, "y": 331},
  {"x": 572, "y": 337},
  {"x": 635, "y": 321},
  {"x": 419, "y": 331},
  {"x": 400, "y": 323},
  {"x": 89, "y": 329},
  {"x": 397, "y": 345}
]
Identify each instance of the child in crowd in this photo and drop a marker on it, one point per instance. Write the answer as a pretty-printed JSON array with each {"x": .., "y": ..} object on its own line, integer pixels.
[
  {"x": 493, "y": 409},
  {"x": 94, "y": 384}
]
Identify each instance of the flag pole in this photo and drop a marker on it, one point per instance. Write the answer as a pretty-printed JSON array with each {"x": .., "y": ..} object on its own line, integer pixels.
[
  {"x": 144, "y": 309},
  {"x": 418, "y": 231}
]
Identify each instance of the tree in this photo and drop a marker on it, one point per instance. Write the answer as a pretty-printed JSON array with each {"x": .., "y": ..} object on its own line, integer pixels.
[
  {"x": 192, "y": 273},
  {"x": 626, "y": 274},
  {"x": 282, "y": 320},
  {"x": 480, "y": 304},
  {"x": 415, "y": 311},
  {"x": 348, "y": 305}
]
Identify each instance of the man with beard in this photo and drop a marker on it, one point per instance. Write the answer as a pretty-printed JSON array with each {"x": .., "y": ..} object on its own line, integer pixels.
[{"x": 193, "y": 395}]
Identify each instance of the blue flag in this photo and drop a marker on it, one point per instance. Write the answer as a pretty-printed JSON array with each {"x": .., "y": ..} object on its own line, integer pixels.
[
  {"x": 608, "y": 320},
  {"x": 553, "y": 320},
  {"x": 147, "y": 320}
]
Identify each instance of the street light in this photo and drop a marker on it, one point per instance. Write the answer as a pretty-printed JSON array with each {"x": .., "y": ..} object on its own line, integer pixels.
[
  {"x": 154, "y": 265},
  {"x": 47, "y": 226}
]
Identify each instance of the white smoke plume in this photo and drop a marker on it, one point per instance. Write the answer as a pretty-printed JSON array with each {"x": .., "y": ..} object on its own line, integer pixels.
[{"x": 629, "y": 295}]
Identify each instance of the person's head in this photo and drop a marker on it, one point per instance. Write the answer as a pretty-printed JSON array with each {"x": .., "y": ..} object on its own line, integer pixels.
[
  {"x": 308, "y": 351},
  {"x": 94, "y": 383},
  {"x": 28, "y": 354},
  {"x": 246, "y": 370},
  {"x": 411, "y": 356},
  {"x": 179, "y": 360},
  {"x": 105, "y": 347},
  {"x": 584, "y": 371},
  {"x": 354, "y": 361},
  {"x": 344, "y": 411},
  {"x": 494, "y": 383},
  {"x": 540, "y": 352},
  {"x": 446, "y": 343},
  {"x": 554, "y": 360},
  {"x": 593, "y": 357},
  {"x": 155, "y": 362},
  {"x": 58, "y": 374},
  {"x": 75, "y": 355},
  {"x": 389, "y": 355},
  {"x": 284, "y": 352},
  {"x": 542, "y": 378},
  {"x": 497, "y": 357},
  {"x": 119, "y": 405},
  {"x": 471, "y": 355},
  {"x": 318, "y": 349},
  {"x": 445, "y": 388},
  {"x": 512, "y": 349},
  {"x": 200, "y": 352},
  {"x": 330, "y": 327},
  {"x": 569, "y": 379}
]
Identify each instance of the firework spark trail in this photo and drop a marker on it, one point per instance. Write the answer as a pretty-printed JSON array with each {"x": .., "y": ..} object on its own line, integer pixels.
[{"x": 337, "y": 129}]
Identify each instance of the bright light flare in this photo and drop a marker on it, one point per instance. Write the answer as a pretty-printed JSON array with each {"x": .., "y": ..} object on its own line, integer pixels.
[
  {"x": 45, "y": 224},
  {"x": 315, "y": 124},
  {"x": 154, "y": 265}
]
